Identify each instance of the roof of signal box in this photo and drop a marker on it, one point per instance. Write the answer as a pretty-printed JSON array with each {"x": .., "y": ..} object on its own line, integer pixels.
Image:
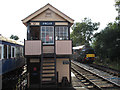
[{"x": 48, "y": 6}]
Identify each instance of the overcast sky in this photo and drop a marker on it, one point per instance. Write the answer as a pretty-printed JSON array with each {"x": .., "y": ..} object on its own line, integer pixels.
[{"x": 13, "y": 11}]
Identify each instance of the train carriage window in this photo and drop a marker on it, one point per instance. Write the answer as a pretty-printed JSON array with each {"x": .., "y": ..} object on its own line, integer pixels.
[
  {"x": 9, "y": 51},
  {"x": 61, "y": 33},
  {"x": 20, "y": 51},
  {"x": 17, "y": 51},
  {"x": 5, "y": 51},
  {"x": 12, "y": 51},
  {"x": 1, "y": 52}
]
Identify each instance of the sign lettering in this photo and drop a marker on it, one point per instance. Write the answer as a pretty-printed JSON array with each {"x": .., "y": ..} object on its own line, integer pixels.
[
  {"x": 66, "y": 62},
  {"x": 47, "y": 23}
]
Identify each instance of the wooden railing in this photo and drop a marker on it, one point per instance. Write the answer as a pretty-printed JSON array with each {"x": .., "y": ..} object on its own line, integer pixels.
[
  {"x": 48, "y": 49},
  {"x": 33, "y": 47},
  {"x": 63, "y": 47}
]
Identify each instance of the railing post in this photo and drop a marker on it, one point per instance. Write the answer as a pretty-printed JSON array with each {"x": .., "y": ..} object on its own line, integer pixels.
[
  {"x": 55, "y": 61},
  {"x": 24, "y": 48},
  {"x": 41, "y": 64}
]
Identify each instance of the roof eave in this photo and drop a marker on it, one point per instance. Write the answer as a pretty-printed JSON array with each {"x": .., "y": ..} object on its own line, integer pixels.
[{"x": 48, "y": 6}]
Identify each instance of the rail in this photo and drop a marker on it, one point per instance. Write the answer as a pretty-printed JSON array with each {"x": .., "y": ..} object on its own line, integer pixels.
[{"x": 98, "y": 81}]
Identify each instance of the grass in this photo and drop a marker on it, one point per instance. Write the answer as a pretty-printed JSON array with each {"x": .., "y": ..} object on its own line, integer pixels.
[{"x": 106, "y": 62}]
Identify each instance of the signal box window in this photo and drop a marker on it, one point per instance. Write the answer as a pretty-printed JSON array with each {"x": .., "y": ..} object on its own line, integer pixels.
[
  {"x": 47, "y": 34},
  {"x": 61, "y": 33},
  {"x": 35, "y": 33}
]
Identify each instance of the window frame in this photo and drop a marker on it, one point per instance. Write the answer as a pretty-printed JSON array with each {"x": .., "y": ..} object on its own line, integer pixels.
[
  {"x": 12, "y": 52},
  {"x": 45, "y": 35},
  {"x": 17, "y": 54},
  {"x": 2, "y": 51},
  {"x": 63, "y": 33},
  {"x": 5, "y": 51}
]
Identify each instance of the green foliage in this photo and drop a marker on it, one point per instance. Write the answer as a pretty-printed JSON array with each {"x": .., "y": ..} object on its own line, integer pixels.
[
  {"x": 83, "y": 31},
  {"x": 14, "y": 37},
  {"x": 107, "y": 42},
  {"x": 117, "y": 5}
]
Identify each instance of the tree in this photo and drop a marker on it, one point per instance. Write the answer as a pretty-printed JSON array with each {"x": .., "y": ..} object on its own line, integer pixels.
[
  {"x": 117, "y": 5},
  {"x": 14, "y": 37},
  {"x": 107, "y": 42},
  {"x": 83, "y": 31}
]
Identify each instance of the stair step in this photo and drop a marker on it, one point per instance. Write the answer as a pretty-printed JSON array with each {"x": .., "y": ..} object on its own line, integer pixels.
[
  {"x": 48, "y": 71},
  {"x": 48, "y": 68},
  {"x": 49, "y": 62},
  {"x": 48, "y": 55},
  {"x": 46, "y": 79},
  {"x": 52, "y": 77},
  {"x": 48, "y": 58},
  {"x": 48, "y": 82},
  {"x": 48, "y": 75},
  {"x": 49, "y": 86},
  {"x": 48, "y": 65}
]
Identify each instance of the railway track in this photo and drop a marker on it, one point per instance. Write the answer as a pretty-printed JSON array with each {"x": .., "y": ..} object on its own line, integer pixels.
[
  {"x": 106, "y": 69},
  {"x": 92, "y": 80}
]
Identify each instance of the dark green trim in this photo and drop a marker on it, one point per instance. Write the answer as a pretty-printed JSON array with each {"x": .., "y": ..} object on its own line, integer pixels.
[
  {"x": 48, "y": 21},
  {"x": 32, "y": 56},
  {"x": 41, "y": 64},
  {"x": 70, "y": 72},
  {"x": 28, "y": 30},
  {"x": 62, "y": 56}
]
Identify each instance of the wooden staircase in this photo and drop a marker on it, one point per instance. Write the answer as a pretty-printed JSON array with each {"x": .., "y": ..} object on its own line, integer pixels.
[{"x": 48, "y": 70}]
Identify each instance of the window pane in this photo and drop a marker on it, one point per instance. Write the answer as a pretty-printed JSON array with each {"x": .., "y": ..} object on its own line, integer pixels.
[
  {"x": 47, "y": 36},
  {"x": 47, "y": 29},
  {"x": 60, "y": 28},
  {"x": 43, "y": 39},
  {"x": 43, "y": 29},
  {"x": 51, "y": 29},
  {"x": 17, "y": 52},
  {"x": 13, "y": 51},
  {"x": 5, "y": 51},
  {"x": 9, "y": 51},
  {"x": 0, "y": 52},
  {"x": 61, "y": 32},
  {"x": 34, "y": 33},
  {"x": 43, "y": 34}
]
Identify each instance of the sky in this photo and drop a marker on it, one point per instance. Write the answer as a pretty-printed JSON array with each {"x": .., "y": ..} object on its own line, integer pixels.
[{"x": 13, "y": 11}]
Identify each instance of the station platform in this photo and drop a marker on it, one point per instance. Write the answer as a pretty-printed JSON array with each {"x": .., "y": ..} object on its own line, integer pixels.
[{"x": 76, "y": 85}]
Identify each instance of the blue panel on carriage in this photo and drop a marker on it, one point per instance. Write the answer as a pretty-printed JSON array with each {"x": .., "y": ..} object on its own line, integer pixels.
[
  {"x": 8, "y": 43},
  {"x": 0, "y": 67},
  {"x": 11, "y": 64}
]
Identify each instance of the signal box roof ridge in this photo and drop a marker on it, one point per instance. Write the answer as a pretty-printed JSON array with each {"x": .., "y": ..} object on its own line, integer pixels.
[{"x": 47, "y": 13}]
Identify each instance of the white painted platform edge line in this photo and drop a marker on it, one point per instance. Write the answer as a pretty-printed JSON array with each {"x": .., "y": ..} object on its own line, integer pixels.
[{"x": 72, "y": 74}]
